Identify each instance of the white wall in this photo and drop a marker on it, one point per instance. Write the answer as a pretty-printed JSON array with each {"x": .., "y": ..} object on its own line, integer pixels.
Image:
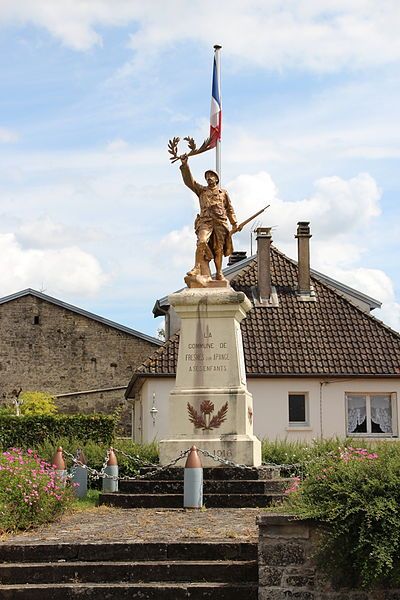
[
  {"x": 327, "y": 410},
  {"x": 145, "y": 429}
]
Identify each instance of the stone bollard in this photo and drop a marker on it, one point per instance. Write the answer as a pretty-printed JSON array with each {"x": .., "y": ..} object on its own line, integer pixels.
[
  {"x": 111, "y": 485},
  {"x": 80, "y": 475},
  {"x": 58, "y": 463},
  {"x": 193, "y": 481}
]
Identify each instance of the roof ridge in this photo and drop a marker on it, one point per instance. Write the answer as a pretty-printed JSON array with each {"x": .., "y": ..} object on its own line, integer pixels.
[
  {"x": 322, "y": 281},
  {"x": 80, "y": 311}
]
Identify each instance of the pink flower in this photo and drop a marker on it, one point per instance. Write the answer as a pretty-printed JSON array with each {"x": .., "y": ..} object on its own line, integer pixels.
[{"x": 294, "y": 485}]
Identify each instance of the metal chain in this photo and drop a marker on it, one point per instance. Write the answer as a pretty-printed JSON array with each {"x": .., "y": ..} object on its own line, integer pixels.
[
  {"x": 224, "y": 461},
  {"x": 95, "y": 474},
  {"x": 92, "y": 472},
  {"x": 73, "y": 471},
  {"x": 136, "y": 458},
  {"x": 160, "y": 468},
  {"x": 231, "y": 463},
  {"x": 102, "y": 475},
  {"x": 105, "y": 462}
]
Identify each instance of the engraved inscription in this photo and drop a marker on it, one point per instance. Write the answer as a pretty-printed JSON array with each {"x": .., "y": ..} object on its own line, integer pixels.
[
  {"x": 208, "y": 356},
  {"x": 223, "y": 453}
]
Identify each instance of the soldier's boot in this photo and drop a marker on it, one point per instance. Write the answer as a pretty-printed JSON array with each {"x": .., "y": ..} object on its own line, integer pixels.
[
  {"x": 218, "y": 267},
  {"x": 199, "y": 260}
]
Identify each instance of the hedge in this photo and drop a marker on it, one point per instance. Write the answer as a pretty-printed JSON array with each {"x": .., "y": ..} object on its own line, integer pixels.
[{"x": 29, "y": 431}]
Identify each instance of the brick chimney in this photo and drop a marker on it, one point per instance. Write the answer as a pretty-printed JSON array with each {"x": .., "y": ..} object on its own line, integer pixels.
[
  {"x": 236, "y": 257},
  {"x": 263, "y": 236},
  {"x": 303, "y": 245}
]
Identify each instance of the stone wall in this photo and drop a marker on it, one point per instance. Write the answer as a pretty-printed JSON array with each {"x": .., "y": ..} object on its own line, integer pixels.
[
  {"x": 99, "y": 401},
  {"x": 47, "y": 347},
  {"x": 286, "y": 567}
]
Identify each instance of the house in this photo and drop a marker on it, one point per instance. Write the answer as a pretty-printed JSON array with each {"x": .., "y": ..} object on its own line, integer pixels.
[
  {"x": 318, "y": 363},
  {"x": 84, "y": 360}
]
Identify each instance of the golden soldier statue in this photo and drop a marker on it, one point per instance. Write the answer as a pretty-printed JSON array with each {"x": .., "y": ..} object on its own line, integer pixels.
[{"x": 214, "y": 238}]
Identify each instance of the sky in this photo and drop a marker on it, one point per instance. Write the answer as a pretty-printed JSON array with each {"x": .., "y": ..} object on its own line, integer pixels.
[{"x": 91, "y": 210}]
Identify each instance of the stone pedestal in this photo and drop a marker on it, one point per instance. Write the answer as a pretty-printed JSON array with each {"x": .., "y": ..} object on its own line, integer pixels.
[{"x": 210, "y": 405}]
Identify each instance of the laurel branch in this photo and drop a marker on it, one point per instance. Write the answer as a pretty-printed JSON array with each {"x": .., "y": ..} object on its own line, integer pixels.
[
  {"x": 199, "y": 421},
  {"x": 173, "y": 147}
]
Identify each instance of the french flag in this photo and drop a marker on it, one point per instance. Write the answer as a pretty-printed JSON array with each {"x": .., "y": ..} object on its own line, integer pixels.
[{"x": 216, "y": 108}]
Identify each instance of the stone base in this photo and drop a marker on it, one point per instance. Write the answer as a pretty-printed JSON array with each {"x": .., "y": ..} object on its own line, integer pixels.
[
  {"x": 240, "y": 449},
  {"x": 205, "y": 282}
]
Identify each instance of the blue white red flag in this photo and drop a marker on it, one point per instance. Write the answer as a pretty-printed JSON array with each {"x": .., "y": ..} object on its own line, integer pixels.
[{"x": 216, "y": 108}]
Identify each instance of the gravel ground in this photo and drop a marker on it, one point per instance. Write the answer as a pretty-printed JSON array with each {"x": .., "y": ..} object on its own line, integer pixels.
[{"x": 115, "y": 524}]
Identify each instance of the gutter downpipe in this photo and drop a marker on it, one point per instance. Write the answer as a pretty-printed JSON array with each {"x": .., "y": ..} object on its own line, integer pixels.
[{"x": 321, "y": 384}]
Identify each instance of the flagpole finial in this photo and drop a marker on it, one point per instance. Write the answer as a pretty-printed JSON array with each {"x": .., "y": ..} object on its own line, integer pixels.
[{"x": 217, "y": 47}]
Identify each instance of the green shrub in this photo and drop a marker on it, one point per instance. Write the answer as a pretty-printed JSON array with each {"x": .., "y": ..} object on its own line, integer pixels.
[
  {"x": 37, "y": 403},
  {"x": 32, "y": 430},
  {"x": 355, "y": 494},
  {"x": 299, "y": 454},
  {"x": 30, "y": 491},
  {"x": 144, "y": 455}
]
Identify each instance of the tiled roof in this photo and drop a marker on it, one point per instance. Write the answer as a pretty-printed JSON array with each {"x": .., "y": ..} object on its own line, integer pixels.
[{"x": 329, "y": 337}]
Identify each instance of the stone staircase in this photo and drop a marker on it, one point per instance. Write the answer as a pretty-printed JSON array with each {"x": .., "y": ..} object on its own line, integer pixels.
[
  {"x": 224, "y": 487},
  {"x": 119, "y": 571}
]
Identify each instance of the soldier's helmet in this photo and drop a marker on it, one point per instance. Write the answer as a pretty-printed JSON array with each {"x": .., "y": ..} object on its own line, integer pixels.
[{"x": 213, "y": 173}]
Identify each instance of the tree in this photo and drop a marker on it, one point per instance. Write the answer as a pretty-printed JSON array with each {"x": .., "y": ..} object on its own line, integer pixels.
[{"x": 37, "y": 403}]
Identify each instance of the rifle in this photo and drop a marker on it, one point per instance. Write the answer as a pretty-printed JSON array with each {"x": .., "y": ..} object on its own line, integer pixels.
[{"x": 240, "y": 227}]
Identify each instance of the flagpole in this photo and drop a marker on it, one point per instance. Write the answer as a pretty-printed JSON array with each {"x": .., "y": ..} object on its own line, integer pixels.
[{"x": 217, "y": 50}]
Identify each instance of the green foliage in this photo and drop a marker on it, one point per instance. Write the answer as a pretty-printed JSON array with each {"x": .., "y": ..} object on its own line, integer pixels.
[
  {"x": 37, "y": 403},
  {"x": 143, "y": 454},
  {"x": 299, "y": 454},
  {"x": 30, "y": 431},
  {"x": 355, "y": 494},
  {"x": 6, "y": 411},
  {"x": 30, "y": 491},
  {"x": 282, "y": 452},
  {"x": 90, "y": 501}
]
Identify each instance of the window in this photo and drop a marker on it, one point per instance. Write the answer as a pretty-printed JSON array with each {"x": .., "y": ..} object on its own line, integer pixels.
[
  {"x": 36, "y": 320},
  {"x": 370, "y": 414},
  {"x": 298, "y": 409}
]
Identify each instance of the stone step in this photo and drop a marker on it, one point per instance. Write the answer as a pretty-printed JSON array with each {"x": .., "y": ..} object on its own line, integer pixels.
[
  {"x": 217, "y": 473},
  {"x": 239, "y": 486},
  {"x": 122, "y": 500},
  {"x": 127, "y": 551},
  {"x": 132, "y": 591},
  {"x": 128, "y": 571}
]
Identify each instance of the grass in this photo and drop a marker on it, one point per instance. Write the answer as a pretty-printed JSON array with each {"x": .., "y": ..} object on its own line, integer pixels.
[{"x": 90, "y": 502}]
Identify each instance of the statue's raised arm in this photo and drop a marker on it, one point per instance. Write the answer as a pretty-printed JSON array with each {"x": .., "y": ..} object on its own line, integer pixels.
[{"x": 187, "y": 175}]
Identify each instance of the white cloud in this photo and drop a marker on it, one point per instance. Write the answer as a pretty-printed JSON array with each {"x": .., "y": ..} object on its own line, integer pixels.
[
  {"x": 336, "y": 207},
  {"x": 177, "y": 249},
  {"x": 45, "y": 233},
  {"x": 319, "y": 36},
  {"x": 63, "y": 271},
  {"x": 117, "y": 145},
  {"x": 7, "y": 136}
]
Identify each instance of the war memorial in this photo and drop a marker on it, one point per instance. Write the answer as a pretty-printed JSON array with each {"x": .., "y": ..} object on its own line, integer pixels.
[{"x": 210, "y": 405}]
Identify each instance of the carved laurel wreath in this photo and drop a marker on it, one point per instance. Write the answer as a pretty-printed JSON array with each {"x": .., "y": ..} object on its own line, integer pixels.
[
  {"x": 204, "y": 420},
  {"x": 173, "y": 147}
]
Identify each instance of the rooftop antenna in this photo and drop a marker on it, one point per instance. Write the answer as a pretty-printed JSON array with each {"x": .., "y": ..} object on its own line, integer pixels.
[{"x": 257, "y": 224}]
